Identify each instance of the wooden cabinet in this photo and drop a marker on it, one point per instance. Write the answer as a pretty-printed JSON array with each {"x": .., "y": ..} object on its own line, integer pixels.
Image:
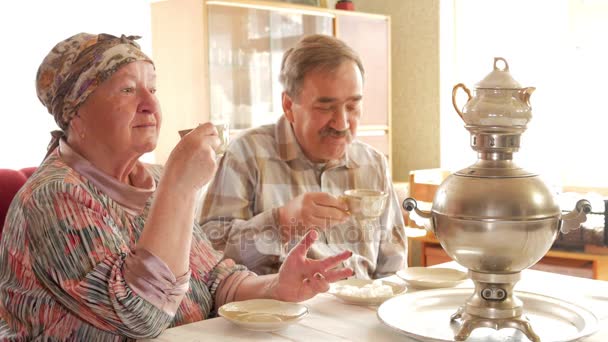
[
  {"x": 219, "y": 60},
  {"x": 370, "y": 37},
  {"x": 433, "y": 255}
]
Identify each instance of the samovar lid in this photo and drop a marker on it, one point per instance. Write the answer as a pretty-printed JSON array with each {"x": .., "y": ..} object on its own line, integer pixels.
[{"x": 499, "y": 78}]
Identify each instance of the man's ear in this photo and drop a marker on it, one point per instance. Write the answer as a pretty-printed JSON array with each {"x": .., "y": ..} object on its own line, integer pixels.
[{"x": 287, "y": 106}]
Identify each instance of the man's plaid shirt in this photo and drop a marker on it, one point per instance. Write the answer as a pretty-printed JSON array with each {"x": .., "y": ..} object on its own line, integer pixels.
[{"x": 263, "y": 169}]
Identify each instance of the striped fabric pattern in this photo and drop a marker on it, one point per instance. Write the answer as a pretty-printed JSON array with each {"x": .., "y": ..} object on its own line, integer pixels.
[
  {"x": 263, "y": 169},
  {"x": 61, "y": 260}
]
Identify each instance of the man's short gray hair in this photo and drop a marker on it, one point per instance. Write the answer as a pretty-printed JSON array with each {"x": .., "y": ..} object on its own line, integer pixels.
[{"x": 314, "y": 52}]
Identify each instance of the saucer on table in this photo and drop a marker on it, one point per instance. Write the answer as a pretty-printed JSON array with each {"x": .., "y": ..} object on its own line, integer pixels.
[
  {"x": 263, "y": 314},
  {"x": 432, "y": 277}
]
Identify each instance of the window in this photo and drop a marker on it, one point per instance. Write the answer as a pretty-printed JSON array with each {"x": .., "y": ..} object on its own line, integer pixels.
[{"x": 558, "y": 46}]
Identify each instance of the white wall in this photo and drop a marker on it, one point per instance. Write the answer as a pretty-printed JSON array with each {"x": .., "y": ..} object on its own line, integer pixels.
[{"x": 28, "y": 30}]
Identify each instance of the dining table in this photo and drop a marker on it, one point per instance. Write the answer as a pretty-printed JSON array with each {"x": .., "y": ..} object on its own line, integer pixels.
[{"x": 331, "y": 319}]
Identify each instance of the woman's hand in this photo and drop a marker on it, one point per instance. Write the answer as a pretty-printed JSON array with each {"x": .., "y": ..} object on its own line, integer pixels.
[
  {"x": 192, "y": 161},
  {"x": 168, "y": 229},
  {"x": 301, "y": 278}
]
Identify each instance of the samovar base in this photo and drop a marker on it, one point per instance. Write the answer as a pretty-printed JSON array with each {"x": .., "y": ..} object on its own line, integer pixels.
[
  {"x": 468, "y": 323},
  {"x": 493, "y": 305}
]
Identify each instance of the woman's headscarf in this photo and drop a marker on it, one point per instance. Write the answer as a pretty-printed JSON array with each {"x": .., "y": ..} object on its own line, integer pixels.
[{"x": 75, "y": 67}]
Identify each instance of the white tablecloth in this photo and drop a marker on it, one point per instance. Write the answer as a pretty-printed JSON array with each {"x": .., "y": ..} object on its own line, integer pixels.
[{"x": 332, "y": 320}]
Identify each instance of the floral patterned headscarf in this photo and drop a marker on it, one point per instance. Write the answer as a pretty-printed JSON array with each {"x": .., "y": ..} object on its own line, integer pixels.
[{"x": 75, "y": 67}]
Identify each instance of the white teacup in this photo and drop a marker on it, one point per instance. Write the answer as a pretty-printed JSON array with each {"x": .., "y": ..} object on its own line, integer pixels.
[
  {"x": 223, "y": 132},
  {"x": 365, "y": 204}
]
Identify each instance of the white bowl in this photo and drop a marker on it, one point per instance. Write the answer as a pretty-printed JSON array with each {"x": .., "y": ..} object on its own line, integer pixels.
[
  {"x": 432, "y": 277},
  {"x": 360, "y": 283},
  {"x": 263, "y": 314}
]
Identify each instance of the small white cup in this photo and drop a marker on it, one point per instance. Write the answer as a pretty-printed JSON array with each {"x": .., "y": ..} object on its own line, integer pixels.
[
  {"x": 365, "y": 204},
  {"x": 223, "y": 132}
]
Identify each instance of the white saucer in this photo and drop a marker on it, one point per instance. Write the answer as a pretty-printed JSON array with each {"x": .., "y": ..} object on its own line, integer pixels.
[
  {"x": 432, "y": 277},
  {"x": 360, "y": 283},
  {"x": 263, "y": 314}
]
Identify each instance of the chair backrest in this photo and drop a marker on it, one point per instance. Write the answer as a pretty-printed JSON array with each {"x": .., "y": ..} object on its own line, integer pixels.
[
  {"x": 422, "y": 185},
  {"x": 10, "y": 182}
]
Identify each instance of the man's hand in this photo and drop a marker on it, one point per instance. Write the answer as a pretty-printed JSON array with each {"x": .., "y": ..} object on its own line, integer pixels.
[{"x": 311, "y": 210}]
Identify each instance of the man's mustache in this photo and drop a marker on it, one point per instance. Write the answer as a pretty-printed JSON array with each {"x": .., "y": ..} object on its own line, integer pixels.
[{"x": 328, "y": 131}]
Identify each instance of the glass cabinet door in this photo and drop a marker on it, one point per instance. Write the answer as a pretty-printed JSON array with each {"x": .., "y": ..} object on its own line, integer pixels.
[
  {"x": 369, "y": 36},
  {"x": 246, "y": 47}
]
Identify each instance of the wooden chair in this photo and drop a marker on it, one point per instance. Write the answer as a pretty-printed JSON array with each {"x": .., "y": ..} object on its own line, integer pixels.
[
  {"x": 10, "y": 182},
  {"x": 423, "y": 246}
]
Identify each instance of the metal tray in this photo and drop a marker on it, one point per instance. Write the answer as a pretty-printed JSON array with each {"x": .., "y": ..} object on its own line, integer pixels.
[{"x": 425, "y": 316}]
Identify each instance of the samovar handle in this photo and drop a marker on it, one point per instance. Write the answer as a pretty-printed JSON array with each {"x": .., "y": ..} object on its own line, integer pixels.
[
  {"x": 421, "y": 217},
  {"x": 454, "y": 90},
  {"x": 573, "y": 219}
]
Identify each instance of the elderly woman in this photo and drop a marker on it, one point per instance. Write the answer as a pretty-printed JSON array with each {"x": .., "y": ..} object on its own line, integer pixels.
[{"x": 99, "y": 246}]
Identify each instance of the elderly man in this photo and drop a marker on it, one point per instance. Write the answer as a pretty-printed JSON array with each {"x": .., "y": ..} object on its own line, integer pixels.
[{"x": 276, "y": 182}]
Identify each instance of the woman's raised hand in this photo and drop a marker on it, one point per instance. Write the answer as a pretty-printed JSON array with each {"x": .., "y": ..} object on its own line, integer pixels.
[
  {"x": 301, "y": 278},
  {"x": 193, "y": 159}
]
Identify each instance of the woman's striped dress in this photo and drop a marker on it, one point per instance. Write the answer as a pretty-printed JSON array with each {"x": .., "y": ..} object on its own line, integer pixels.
[{"x": 62, "y": 256}]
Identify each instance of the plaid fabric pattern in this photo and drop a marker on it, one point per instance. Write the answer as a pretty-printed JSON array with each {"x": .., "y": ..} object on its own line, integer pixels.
[
  {"x": 61, "y": 264},
  {"x": 263, "y": 169}
]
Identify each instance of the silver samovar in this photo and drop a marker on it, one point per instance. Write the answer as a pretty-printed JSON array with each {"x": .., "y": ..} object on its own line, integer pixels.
[{"x": 493, "y": 217}]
